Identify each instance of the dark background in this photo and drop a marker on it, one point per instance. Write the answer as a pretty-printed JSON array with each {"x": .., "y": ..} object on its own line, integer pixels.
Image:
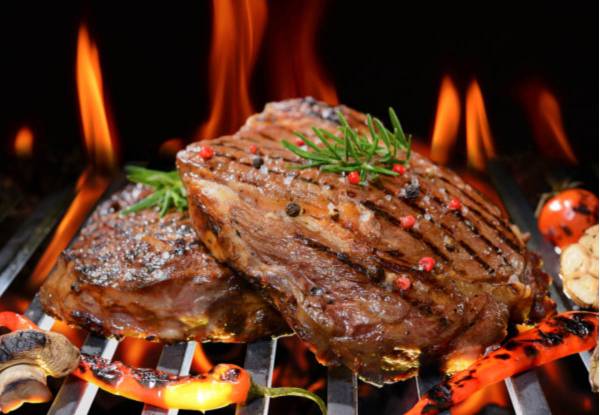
[{"x": 154, "y": 59}]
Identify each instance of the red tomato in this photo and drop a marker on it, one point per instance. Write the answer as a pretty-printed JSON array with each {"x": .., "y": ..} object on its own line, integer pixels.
[{"x": 565, "y": 217}]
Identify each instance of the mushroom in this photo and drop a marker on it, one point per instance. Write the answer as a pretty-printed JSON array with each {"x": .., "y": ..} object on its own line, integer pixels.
[
  {"x": 21, "y": 384},
  {"x": 52, "y": 352},
  {"x": 26, "y": 358}
]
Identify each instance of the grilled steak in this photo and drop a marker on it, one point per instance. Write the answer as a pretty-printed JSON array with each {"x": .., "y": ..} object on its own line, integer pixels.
[
  {"x": 142, "y": 276},
  {"x": 337, "y": 262}
]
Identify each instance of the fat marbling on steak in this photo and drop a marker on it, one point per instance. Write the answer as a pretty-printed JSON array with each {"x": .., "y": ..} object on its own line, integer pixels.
[
  {"x": 144, "y": 276},
  {"x": 328, "y": 254}
]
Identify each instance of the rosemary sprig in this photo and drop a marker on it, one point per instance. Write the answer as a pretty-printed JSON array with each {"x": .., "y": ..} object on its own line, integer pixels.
[
  {"x": 168, "y": 193},
  {"x": 370, "y": 155}
]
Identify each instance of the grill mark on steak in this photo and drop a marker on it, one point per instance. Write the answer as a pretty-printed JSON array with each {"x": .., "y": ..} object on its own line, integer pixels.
[
  {"x": 390, "y": 218},
  {"x": 143, "y": 276},
  {"x": 370, "y": 320},
  {"x": 412, "y": 232}
]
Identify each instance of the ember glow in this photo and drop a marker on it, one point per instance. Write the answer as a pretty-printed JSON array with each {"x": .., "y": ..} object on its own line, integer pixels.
[
  {"x": 237, "y": 33},
  {"x": 447, "y": 121},
  {"x": 547, "y": 123},
  {"x": 294, "y": 67},
  {"x": 100, "y": 145},
  {"x": 480, "y": 145},
  {"x": 23, "y": 144}
]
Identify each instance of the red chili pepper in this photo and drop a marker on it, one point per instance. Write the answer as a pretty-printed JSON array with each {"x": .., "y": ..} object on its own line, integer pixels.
[
  {"x": 403, "y": 283},
  {"x": 454, "y": 204},
  {"x": 224, "y": 385},
  {"x": 427, "y": 263},
  {"x": 206, "y": 152},
  {"x": 354, "y": 177},
  {"x": 13, "y": 321},
  {"x": 557, "y": 336},
  {"x": 407, "y": 221},
  {"x": 399, "y": 168},
  {"x": 253, "y": 148},
  {"x": 299, "y": 142}
]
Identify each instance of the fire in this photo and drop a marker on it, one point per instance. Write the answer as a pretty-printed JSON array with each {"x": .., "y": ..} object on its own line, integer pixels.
[
  {"x": 138, "y": 353},
  {"x": 170, "y": 147},
  {"x": 480, "y": 145},
  {"x": 447, "y": 119},
  {"x": 495, "y": 394},
  {"x": 294, "y": 68},
  {"x": 548, "y": 128},
  {"x": 100, "y": 144},
  {"x": 237, "y": 33},
  {"x": 75, "y": 336},
  {"x": 201, "y": 363},
  {"x": 23, "y": 144}
]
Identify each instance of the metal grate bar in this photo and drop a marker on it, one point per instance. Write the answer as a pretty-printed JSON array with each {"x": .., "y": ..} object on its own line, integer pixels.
[
  {"x": 342, "y": 396},
  {"x": 17, "y": 251},
  {"x": 427, "y": 380},
  {"x": 36, "y": 314},
  {"x": 525, "y": 390},
  {"x": 527, "y": 395},
  {"x": 259, "y": 362},
  {"x": 177, "y": 359},
  {"x": 523, "y": 216}
]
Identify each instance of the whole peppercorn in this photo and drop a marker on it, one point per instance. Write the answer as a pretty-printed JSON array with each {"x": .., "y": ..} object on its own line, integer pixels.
[
  {"x": 257, "y": 162},
  {"x": 206, "y": 152},
  {"x": 454, "y": 204},
  {"x": 354, "y": 177},
  {"x": 399, "y": 168},
  {"x": 293, "y": 209},
  {"x": 426, "y": 263},
  {"x": 403, "y": 283},
  {"x": 407, "y": 221}
]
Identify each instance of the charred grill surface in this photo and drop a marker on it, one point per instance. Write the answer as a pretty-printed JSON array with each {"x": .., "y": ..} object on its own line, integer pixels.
[
  {"x": 142, "y": 276},
  {"x": 328, "y": 254}
]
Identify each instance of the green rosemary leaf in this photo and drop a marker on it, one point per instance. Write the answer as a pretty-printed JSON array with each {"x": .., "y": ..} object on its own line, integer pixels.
[
  {"x": 370, "y": 155},
  {"x": 168, "y": 190}
]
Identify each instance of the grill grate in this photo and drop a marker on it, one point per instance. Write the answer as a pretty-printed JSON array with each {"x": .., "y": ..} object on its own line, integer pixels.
[{"x": 76, "y": 396}]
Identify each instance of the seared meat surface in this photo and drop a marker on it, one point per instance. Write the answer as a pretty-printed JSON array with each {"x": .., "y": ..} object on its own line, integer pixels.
[
  {"x": 142, "y": 276},
  {"x": 336, "y": 260}
]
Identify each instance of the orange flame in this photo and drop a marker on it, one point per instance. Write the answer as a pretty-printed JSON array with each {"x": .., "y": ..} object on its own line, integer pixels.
[
  {"x": 170, "y": 147},
  {"x": 75, "y": 336},
  {"x": 201, "y": 363},
  {"x": 237, "y": 32},
  {"x": 137, "y": 352},
  {"x": 493, "y": 394},
  {"x": 294, "y": 66},
  {"x": 23, "y": 144},
  {"x": 100, "y": 145},
  {"x": 480, "y": 145},
  {"x": 447, "y": 119},
  {"x": 548, "y": 128}
]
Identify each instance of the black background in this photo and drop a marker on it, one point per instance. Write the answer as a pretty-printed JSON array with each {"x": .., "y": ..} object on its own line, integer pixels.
[{"x": 154, "y": 59}]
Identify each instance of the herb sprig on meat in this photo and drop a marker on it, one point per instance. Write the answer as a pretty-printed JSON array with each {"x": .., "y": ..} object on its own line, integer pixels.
[
  {"x": 168, "y": 193},
  {"x": 366, "y": 156}
]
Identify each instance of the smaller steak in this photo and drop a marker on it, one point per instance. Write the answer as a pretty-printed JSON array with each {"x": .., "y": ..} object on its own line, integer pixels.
[{"x": 142, "y": 276}]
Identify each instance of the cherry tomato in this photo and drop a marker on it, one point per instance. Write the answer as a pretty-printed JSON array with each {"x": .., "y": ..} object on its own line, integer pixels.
[{"x": 565, "y": 217}]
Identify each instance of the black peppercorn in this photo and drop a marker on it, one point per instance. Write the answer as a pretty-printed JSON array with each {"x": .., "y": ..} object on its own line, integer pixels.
[
  {"x": 257, "y": 162},
  {"x": 293, "y": 209}
]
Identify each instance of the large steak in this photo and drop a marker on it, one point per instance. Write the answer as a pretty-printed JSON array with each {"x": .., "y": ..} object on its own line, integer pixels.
[
  {"x": 143, "y": 276},
  {"x": 330, "y": 255}
]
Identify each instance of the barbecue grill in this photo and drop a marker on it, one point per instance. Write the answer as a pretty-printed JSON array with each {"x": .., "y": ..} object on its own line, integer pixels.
[{"x": 76, "y": 396}]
